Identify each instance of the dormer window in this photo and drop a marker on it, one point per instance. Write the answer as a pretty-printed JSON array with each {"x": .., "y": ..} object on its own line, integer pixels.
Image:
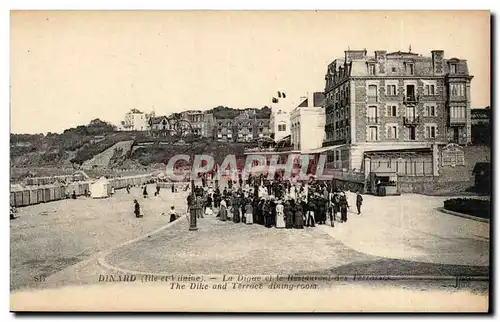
[
  {"x": 371, "y": 69},
  {"x": 453, "y": 68}
]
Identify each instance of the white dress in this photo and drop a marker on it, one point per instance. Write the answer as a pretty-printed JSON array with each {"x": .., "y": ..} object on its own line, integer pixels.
[{"x": 280, "y": 216}]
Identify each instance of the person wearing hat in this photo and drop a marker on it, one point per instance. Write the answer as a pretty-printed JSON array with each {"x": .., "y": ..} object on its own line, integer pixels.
[
  {"x": 289, "y": 215},
  {"x": 359, "y": 202},
  {"x": 198, "y": 206},
  {"x": 268, "y": 212},
  {"x": 298, "y": 216},
  {"x": 236, "y": 209},
  {"x": 323, "y": 205},
  {"x": 280, "y": 215},
  {"x": 311, "y": 209},
  {"x": 343, "y": 207},
  {"x": 137, "y": 209},
  {"x": 223, "y": 210},
  {"x": 249, "y": 212}
]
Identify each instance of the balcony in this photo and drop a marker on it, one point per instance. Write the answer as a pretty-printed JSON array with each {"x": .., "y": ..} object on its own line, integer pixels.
[
  {"x": 410, "y": 99},
  {"x": 458, "y": 121},
  {"x": 411, "y": 120},
  {"x": 372, "y": 120}
]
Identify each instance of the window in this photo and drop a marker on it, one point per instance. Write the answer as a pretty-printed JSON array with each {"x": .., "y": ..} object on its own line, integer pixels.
[
  {"x": 261, "y": 130},
  {"x": 411, "y": 113},
  {"x": 391, "y": 90},
  {"x": 392, "y": 110},
  {"x": 281, "y": 127},
  {"x": 393, "y": 132},
  {"x": 429, "y": 90},
  {"x": 410, "y": 92},
  {"x": 372, "y": 133},
  {"x": 372, "y": 92},
  {"x": 336, "y": 134},
  {"x": 453, "y": 68},
  {"x": 457, "y": 89},
  {"x": 457, "y": 112},
  {"x": 347, "y": 131},
  {"x": 371, "y": 69},
  {"x": 393, "y": 69},
  {"x": 412, "y": 133},
  {"x": 410, "y": 69},
  {"x": 372, "y": 112},
  {"x": 430, "y": 131},
  {"x": 430, "y": 110}
]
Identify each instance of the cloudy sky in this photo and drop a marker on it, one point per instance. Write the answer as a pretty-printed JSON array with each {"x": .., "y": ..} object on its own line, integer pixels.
[{"x": 68, "y": 68}]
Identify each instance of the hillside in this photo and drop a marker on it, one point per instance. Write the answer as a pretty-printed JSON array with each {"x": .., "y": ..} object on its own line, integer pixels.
[
  {"x": 154, "y": 154},
  {"x": 103, "y": 159},
  {"x": 114, "y": 150}
]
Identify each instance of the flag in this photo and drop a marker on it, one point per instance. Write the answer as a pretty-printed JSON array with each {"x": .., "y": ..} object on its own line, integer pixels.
[
  {"x": 275, "y": 100},
  {"x": 279, "y": 94},
  {"x": 283, "y": 94}
]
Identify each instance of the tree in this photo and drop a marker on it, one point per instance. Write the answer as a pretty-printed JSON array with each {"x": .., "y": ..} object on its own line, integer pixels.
[{"x": 97, "y": 126}]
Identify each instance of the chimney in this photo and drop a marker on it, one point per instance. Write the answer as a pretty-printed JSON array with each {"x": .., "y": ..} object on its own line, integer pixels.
[
  {"x": 381, "y": 60},
  {"x": 380, "y": 54},
  {"x": 317, "y": 99},
  {"x": 354, "y": 54},
  {"x": 437, "y": 61}
]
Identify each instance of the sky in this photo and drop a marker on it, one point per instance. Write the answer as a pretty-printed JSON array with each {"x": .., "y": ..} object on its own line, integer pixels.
[{"x": 69, "y": 67}]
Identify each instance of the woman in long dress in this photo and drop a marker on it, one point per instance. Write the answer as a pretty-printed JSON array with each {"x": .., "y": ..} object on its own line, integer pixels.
[
  {"x": 236, "y": 210},
  {"x": 299, "y": 216},
  {"x": 249, "y": 213},
  {"x": 280, "y": 215},
  {"x": 223, "y": 210},
  {"x": 289, "y": 217}
]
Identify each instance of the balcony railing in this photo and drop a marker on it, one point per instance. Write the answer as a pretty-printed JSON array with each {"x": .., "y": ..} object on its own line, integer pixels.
[
  {"x": 411, "y": 120},
  {"x": 372, "y": 120},
  {"x": 410, "y": 99}
]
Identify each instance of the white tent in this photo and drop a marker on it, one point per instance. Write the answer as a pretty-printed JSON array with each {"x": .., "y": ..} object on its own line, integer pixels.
[{"x": 100, "y": 188}]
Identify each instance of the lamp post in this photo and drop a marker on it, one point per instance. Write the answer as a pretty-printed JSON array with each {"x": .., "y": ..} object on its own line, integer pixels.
[{"x": 192, "y": 209}]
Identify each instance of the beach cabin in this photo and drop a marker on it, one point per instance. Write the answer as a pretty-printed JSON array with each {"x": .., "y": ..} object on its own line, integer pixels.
[{"x": 100, "y": 188}]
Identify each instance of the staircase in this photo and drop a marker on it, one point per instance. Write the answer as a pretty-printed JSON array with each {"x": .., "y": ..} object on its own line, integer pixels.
[{"x": 103, "y": 158}]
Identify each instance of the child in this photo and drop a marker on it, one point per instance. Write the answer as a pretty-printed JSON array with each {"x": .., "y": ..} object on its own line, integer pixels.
[
  {"x": 359, "y": 202},
  {"x": 173, "y": 215}
]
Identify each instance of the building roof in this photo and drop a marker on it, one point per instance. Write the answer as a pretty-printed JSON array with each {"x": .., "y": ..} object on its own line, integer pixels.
[
  {"x": 480, "y": 113},
  {"x": 401, "y": 53},
  {"x": 157, "y": 119}
]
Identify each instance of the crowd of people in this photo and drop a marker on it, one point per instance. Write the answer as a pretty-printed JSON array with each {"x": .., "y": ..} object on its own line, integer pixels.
[{"x": 277, "y": 203}]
